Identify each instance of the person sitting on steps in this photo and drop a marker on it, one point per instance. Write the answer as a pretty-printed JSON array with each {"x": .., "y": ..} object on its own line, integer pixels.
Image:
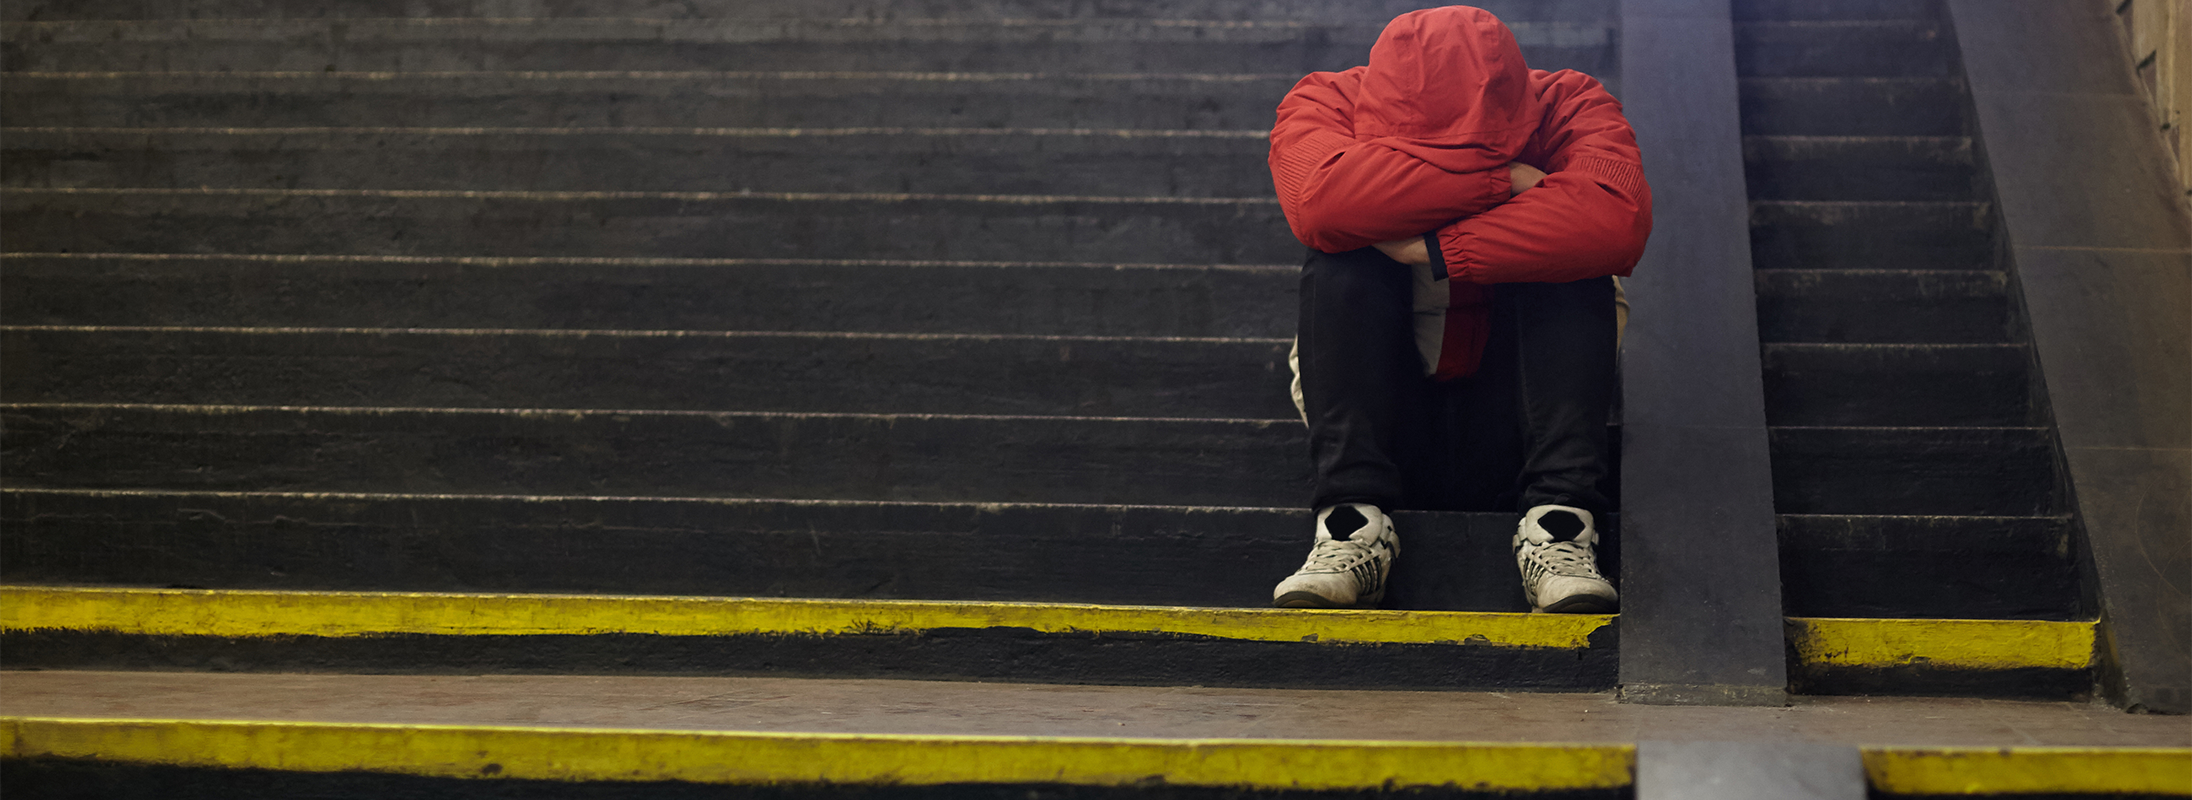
[{"x": 1465, "y": 217}]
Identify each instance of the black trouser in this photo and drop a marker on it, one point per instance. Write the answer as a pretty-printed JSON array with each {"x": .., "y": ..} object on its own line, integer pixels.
[{"x": 1528, "y": 429}]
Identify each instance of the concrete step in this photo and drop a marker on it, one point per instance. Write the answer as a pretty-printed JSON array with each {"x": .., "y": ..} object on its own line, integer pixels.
[
  {"x": 700, "y": 99},
  {"x": 1776, "y": 10},
  {"x": 995, "y": 298},
  {"x": 1161, "y": 555},
  {"x": 1813, "y": 234},
  {"x": 1844, "y": 49},
  {"x": 431, "y": 736},
  {"x": 1861, "y": 306},
  {"x": 606, "y": 634},
  {"x": 1852, "y": 106},
  {"x": 1246, "y": 10},
  {"x": 2039, "y": 659},
  {"x": 1898, "y": 385},
  {"x": 659, "y": 453},
  {"x": 666, "y": 370},
  {"x": 1913, "y": 472},
  {"x": 1943, "y": 471},
  {"x": 658, "y": 224},
  {"x": 924, "y": 45},
  {"x": 1859, "y": 167},
  {"x": 474, "y": 634},
  {"x": 673, "y": 763},
  {"x": 1124, "y": 162},
  {"x": 1939, "y": 567}
]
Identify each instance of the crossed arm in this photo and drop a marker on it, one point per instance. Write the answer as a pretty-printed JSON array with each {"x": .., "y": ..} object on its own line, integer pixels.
[
  {"x": 1414, "y": 251},
  {"x": 1588, "y": 217}
]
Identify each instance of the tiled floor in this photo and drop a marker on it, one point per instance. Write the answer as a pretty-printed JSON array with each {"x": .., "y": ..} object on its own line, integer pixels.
[{"x": 922, "y": 707}]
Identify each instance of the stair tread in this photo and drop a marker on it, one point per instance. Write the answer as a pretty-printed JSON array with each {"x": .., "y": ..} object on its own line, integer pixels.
[
  {"x": 1792, "y": 10},
  {"x": 610, "y": 452},
  {"x": 824, "y": 98},
  {"x": 949, "y": 43},
  {"x": 813, "y": 294},
  {"x": 1155, "y": 715},
  {"x": 687, "y": 9},
  {"x": 988, "y": 161},
  {"x": 1177, "y": 555},
  {"x": 676, "y": 224},
  {"x": 898, "y": 373},
  {"x": 1259, "y": 10},
  {"x": 985, "y": 641}
]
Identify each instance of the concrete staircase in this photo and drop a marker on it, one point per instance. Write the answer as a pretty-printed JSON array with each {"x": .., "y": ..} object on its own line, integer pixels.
[
  {"x": 879, "y": 301},
  {"x": 1914, "y": 474},
  {"x": 914, "y": 339}
]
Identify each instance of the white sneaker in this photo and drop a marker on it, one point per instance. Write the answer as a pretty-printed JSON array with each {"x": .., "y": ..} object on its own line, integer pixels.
[
  {"x": 1347, "y": 570},
  {"x": 1554, "y": 549}
]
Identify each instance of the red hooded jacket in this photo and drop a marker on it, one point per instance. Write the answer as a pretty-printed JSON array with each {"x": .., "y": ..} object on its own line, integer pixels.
[{"x": 1419, "y": 140}]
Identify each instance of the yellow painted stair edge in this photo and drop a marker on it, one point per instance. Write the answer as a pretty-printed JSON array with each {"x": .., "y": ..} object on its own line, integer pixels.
[
  {"x": 575, "y": 754},
  {"x": 1952, "y": 643},
  {"x": 2030, "y": 770},
  {"x": 1956, "y": 643},
  {"x": 567, "y": 754},
  {"x": 184, "y": 612}
]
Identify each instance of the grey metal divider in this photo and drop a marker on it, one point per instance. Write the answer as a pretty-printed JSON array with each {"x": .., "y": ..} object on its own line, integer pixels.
[{"x": 1701, "y": 618}]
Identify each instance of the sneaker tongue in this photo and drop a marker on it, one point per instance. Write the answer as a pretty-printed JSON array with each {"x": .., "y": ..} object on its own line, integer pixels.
[
  {"x": 1342, "y": 522},
  {"x": 1563, "y": 525}
]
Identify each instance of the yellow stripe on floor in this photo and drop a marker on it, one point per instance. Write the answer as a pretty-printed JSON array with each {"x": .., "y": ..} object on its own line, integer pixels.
[
  {"x": 2030, "y": 770},
  {"x": 187, "y": 612},
  {"x": 759, "y": 758},
  {"x": 1958, "y": 643}
]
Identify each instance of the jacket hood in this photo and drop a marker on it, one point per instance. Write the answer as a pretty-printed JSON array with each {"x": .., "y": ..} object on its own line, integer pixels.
[{"x": 1448, "y": 86}]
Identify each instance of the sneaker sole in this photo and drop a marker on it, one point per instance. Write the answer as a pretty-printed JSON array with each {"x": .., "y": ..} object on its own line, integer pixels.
[
  {"x": 1581, "y": 604},
  {"x": 1314, "y": 600}
]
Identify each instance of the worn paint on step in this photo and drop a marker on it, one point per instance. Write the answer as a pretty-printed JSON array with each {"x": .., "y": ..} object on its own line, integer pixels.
[
  {"x": 2030, "y": 770},
  {"x": 749, "y": 758},
  {"x": 180, "y": 612},
  {"x": 1951, "y": 643}
]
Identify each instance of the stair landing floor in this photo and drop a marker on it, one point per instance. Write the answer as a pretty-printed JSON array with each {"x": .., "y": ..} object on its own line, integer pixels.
[{"x": 1007, "y": 709}]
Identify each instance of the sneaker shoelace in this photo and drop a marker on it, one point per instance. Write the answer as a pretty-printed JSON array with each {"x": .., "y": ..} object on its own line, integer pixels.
[
  {"x": 1336, "y": 555},
  {"x": 1567, "y": 559}
]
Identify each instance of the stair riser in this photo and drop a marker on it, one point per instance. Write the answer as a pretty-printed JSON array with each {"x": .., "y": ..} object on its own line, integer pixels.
[
  {"x": 52, "y": 777},
  {"x": 1929, "y": 567},
  {"x": 1921, "y": 678},
  {"x": 1883, "y": 307},
  {"x": 828, "y": 374},
  {"x": 1897, "y": 386},
  {"x": 1947, "y": 471},
  {"x": 503, "y": 101},
  {"x": 1158, "y": 556},
  {"x": 1077, "y": 460},
  {"x": 761, "y": 226},
  {"x": 898, "y": 161},
  {"x": 1852, "y": 107},
  {"x": 1127, "y": 46},
  {"x": 1833, "y": 50},
  {"x": 983, "y": 655},
  {"x": 1249, "y": 10},
  {"x": 1747, "y": 10},
  {"x": 997, "y": 299},
  {"x": 1798, "y": 235},
  {"x": 1838, "y": 169}
]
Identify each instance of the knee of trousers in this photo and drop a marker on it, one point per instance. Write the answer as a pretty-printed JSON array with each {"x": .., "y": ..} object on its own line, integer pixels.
[{"x": 1350, "y": 277}]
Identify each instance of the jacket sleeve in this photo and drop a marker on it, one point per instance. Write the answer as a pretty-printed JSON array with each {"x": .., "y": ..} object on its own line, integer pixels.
[
  {"x": 1588, "y": 218},
  {"x": 1340, "y": 194}
]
